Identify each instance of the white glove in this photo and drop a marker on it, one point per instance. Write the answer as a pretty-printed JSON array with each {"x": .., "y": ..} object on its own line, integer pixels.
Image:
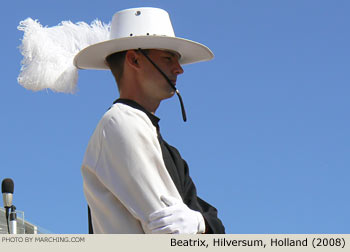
[{"x": 176, "y": 218}]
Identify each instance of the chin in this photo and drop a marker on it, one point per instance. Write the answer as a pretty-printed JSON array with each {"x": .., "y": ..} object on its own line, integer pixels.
[
  {"x": 169, "y": 95},
  {"x": 172, "y": 93}
]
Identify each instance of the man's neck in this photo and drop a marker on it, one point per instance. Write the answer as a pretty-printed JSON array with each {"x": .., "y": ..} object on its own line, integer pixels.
[{"x": 150, "y": 106}]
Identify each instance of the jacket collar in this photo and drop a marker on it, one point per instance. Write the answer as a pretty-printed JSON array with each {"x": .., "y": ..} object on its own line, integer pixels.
[{"x": 154, "y": 119}]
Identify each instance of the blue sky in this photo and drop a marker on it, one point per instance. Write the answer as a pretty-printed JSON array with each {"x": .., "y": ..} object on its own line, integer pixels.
[{"x": 267, "y": 138}]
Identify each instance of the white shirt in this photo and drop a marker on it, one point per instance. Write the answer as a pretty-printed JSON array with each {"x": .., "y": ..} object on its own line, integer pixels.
[{"x": 124, "y": 173}]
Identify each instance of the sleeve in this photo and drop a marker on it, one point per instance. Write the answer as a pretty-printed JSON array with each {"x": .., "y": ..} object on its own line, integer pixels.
[
  {"x": 130, "y": 165},
  {"x": 210, "y": 214}
]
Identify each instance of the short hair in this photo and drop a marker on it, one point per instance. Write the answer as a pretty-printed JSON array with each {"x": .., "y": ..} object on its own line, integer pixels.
[{"x": 115, "y": 61}]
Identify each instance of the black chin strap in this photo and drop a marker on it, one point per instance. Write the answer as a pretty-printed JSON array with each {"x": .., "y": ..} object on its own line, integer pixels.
[{"x": 170, "y": 83}]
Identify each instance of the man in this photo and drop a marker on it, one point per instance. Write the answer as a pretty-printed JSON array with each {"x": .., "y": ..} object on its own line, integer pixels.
[{"x": 134, "y": 181}]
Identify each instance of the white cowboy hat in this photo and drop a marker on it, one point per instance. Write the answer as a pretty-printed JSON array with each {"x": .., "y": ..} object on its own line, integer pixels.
[
  {"x": 145, "y": 28},
  {"x": 53, "y": 55}
]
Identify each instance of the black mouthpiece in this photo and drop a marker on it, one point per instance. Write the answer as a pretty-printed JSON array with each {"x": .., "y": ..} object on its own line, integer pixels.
[{"x": 7, "y": 186}]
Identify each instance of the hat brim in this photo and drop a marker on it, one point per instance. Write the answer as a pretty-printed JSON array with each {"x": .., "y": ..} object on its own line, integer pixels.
[{"x": 93, "y": 57}]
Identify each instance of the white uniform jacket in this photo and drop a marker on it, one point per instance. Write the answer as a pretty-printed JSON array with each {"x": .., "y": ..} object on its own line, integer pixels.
[{"x": 123, "y": 172}]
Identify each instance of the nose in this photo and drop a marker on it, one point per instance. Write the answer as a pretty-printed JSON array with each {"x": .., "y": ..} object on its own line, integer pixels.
[{"x": 178, "y": 69}]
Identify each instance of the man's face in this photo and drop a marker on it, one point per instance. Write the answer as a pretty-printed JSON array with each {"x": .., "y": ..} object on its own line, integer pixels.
[{"x": 154, "y": 84}]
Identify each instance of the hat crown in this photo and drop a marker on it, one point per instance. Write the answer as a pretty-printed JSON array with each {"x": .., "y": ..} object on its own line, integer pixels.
[
  {"x": 141, "y": 22},
  {"x": 146, "y": 28}
]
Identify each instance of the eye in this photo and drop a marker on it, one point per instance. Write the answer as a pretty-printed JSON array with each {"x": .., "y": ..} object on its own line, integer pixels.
[{"x": 167, "y": 58}]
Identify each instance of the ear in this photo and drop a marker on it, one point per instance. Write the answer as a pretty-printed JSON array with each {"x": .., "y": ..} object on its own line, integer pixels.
[{"x": 131, "y": 58}]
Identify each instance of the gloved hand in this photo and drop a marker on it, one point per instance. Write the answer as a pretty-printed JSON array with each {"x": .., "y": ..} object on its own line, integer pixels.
[{"x": 176, "y": 218}]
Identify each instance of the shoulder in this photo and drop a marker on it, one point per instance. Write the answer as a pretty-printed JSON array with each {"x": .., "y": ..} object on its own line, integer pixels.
[
  {"x": 124, "y": 120},
  {"x": 125, "y": 116},
  {"x": 121, "y": 128}
]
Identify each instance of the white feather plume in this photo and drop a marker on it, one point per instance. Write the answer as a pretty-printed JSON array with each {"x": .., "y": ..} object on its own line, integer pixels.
[{"x": 48, "y": 53}]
